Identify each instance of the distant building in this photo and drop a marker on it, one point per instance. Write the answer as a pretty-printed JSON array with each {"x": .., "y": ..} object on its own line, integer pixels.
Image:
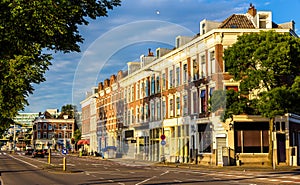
[{"x": 53, "y": 131}]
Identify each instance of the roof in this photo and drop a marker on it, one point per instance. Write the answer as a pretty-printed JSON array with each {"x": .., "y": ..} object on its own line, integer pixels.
[{"x": 237, "y": 21}]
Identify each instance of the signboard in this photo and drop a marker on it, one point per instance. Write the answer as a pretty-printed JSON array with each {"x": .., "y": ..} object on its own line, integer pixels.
[
  {"x": 163, "y": 142},
  {"x": 162, "y": 137}
]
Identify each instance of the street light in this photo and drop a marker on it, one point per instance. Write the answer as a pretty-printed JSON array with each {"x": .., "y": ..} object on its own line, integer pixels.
[{"x": 161, "y": 104}]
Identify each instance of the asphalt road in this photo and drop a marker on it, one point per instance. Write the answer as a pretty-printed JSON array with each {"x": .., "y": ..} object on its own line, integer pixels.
[{"x": 19, "y": 169}]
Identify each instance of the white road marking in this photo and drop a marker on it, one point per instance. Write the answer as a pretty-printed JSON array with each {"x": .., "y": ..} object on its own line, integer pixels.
[
  {"x": 145, "y": 180},
  {"x": 164, "y": 173},
  {"x": 24, "y": 161}
]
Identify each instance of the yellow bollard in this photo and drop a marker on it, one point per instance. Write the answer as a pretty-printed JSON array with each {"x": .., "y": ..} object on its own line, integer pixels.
[
  {"x": 64, "y": 164},
  {"x": 49, "y": 156}
]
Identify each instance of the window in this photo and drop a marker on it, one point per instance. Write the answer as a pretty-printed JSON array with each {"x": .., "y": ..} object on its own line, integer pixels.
[
  {"x": 45, "y": 126},
  {"x": 50, "y": 135},
  {"x": 44, "y": 135},
  {"x": 39, "y": 126},
  {"x": 70, "y": 135},
  {"x": 195, "y": 69},
  {"x": 185, "y": 73},
  {"x": 157, "y": 84},
  {"x": 211, "y": 91},
  {"x": 171, "y": 108},
  {"x": 177, "y": 76},
  {"x": 185, "y": 105},
  {"x": 164, "y": 109},
  {"x": 203, "y": 66},
  {"x": 164, "y": 80},
  {"x": 251, "y": 137},
  {"x": 177, "y": 42},
  {"x": 142, "y": 90},
  {"x": 152, "y": 84},
  {"x": 152, "y": 112},
  {"x": 132, "y": 116},
  {"x": 158, "y": 110},
  {"x": 129, "y": 94},
  {"x": 205, "y": 138},
  {"x": 39, "y": 135},
  {"x": 195, "y": 103},
  {"x": 128, "y": 117},
  {"x": 60, "y": 127},
  {"x": 146, "y": 112},
  {"x": 59, "y": 135},
  {"x": 125, "y": 118},
  {"x": 212, "y": 62},
  {"x": 137, "y": 91},
  {"x": 132, "y": 93},
  {"x": 177, "y": 106},
  {"x": 138, "y": 114},
  {"x": 235, "y": 88},
  {"x": 142, "y": 114},
  {"x": 171, "y": 78},
  {"x": 203, "y": 101},
  {"x": 49, "y": 127},
  {"x": 147, "y": 88},
  {"x": 70, "y": 126}
]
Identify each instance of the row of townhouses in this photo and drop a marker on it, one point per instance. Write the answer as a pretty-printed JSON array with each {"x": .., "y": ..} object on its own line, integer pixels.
[{"x": 159, "y": 108}]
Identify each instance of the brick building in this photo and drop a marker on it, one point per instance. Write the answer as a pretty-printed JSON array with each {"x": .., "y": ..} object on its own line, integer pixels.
[{"x": 168, "y": 94}]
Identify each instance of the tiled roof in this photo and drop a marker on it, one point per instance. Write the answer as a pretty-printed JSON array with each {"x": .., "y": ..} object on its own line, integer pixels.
[{"x": 237, "y": 21}]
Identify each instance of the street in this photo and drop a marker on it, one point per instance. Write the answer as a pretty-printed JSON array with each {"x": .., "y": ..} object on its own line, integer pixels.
[{"x": 20, "y": 169}]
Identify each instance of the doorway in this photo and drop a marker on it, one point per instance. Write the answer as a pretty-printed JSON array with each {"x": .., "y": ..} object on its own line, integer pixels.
[{"x": 281, "y": 152}]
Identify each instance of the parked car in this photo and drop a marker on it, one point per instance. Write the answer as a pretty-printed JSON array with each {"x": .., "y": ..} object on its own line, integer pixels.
[
  {"x": 29, "y": 152},
  {"x": 38, "y": 153}
]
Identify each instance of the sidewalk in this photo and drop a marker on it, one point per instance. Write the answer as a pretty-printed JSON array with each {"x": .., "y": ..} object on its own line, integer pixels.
[{"x": 134, "y": 162}]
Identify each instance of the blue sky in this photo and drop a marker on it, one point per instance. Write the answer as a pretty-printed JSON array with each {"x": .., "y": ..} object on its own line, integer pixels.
[{"x": 128, "y": 32}]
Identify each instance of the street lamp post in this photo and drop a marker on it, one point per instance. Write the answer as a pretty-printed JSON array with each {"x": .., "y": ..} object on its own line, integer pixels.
[{"x": 161, "y": 109}]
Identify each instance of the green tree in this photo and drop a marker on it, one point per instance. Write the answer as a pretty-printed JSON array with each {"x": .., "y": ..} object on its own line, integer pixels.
[
  {"x": 267, "y": 65},
  {"x": 69, "y": 110},
  {"x": 30, "y": 29}
]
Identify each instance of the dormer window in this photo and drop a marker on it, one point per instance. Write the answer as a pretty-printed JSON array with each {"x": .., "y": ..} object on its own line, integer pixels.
[
  {"x": 203, "y": 28},
  {"x": 177, "y": 42}
]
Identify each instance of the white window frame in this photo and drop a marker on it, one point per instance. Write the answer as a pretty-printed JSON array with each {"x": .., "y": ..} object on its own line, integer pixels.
[
  {"x": 202, "y": 65},
  {"x": 177, "y": 76},
  {"x": 212, "y": 61},
  {"x": 194, "y": 90},
  {"x": 185, "y": 73}
]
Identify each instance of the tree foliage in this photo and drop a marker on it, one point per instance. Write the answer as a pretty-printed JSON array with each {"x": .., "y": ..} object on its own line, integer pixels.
[
  {"x": 69, "y": 110},
  {"x": 28, "y": 30},
  {"x": 267, "y": 65}
]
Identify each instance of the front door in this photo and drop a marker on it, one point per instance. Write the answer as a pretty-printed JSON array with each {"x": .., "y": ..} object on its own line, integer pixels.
[
  {"x": 221, "y": 143},
  {"x": 281, "y": 153}
]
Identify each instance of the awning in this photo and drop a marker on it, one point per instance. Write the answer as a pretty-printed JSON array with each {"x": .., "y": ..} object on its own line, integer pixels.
[{"x": 83, "y": 142}]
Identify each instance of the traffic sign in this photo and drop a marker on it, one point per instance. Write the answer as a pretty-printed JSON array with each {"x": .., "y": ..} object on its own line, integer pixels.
[
  {"x": 162, "y": 137},
  {"x": 163, "y": 142},
  {"x": 64, "y": 151}
]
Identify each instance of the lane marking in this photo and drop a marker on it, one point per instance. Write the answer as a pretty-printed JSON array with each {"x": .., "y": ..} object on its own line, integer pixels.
[
  {"x": 146, "y": 180},
  {"x": 164, "y": 173},
  {"x": 24, "y": 161}
]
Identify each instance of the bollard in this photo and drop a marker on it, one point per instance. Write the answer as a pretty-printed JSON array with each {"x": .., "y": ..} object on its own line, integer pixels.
[
  {"x": 49, "y": 157},
  {"x": 64, "y": 164}
]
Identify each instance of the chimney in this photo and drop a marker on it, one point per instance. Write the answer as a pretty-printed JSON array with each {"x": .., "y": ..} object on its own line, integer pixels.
[
  {"x": 252, "y": 10},
  {"x": 149, "y": 52}
]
